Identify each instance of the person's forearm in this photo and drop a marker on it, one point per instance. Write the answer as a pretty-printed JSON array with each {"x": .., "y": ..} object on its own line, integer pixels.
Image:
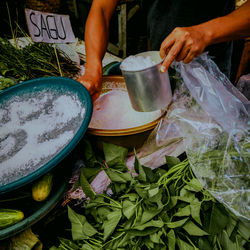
[
  {"x": 235, "y": 25},
  {"x": 96, "y": 34}
]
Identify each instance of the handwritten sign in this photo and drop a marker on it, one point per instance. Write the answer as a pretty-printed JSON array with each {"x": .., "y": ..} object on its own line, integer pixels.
[{"x": 49, "y": 27}]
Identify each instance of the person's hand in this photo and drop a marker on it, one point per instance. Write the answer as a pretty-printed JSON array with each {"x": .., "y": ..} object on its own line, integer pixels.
[
  {"x": 93, "y": 83},
  {"x": 182, "y": 44}
]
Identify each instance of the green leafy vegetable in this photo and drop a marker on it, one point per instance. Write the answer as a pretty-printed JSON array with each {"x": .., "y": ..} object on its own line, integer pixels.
[
  {"x": 81, "y": 229},
  {"x": 194, "y": 230},
  {"x": 33, "y": 61},
  {"x": 165, "y": 208},
  {"x": 115, "y": 156}
]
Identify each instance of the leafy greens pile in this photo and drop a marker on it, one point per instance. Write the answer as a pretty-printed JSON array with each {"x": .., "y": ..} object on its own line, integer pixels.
[
  {"x": 165, "y": 208},
  {"x": 33, "y": 61}
]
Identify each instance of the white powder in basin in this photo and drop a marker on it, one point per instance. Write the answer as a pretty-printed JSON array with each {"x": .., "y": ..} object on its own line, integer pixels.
[
  {"x": 134, "y": 63},
  {"x": 33, "y": 129},
  {"x": 113, "y": 110}
]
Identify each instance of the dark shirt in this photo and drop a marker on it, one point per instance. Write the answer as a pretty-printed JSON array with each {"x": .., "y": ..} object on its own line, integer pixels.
[{"x": 164, "y": 15}]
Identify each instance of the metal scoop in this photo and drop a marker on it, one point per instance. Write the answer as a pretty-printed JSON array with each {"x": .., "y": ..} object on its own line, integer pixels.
[{"x": 148, "y": 88}]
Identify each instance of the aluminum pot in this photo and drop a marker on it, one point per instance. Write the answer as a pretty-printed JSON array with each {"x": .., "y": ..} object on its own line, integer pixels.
[{"x": 148, "y": 89}]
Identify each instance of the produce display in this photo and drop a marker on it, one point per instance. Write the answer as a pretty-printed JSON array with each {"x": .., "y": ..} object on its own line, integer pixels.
[
  {"x": 38, "y": 191},
  {"x": 110, "y": 205},
  {"x": 33, "y": 61},
  {"x": 20, "y": 213},
  {"x": 165, "y": 208}
]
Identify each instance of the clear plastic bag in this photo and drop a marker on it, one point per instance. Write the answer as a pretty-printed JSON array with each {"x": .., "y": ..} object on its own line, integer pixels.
[{"x": 213, "y": 119}]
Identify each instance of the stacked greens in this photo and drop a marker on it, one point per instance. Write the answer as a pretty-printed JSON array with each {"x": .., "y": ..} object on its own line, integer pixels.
[
  {"x": 165, "y": 208},
  {"x": 33, "y": 61}
]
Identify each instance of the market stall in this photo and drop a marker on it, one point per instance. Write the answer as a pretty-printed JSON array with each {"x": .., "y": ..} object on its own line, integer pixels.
[{"x": 144, "y": 166}]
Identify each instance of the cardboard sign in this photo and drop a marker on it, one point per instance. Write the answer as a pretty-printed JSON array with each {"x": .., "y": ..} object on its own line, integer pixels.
[{"x": 49, "y": 27}]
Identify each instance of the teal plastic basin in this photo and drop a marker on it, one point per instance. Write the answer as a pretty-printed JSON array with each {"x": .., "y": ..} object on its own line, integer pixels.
[{"x": 58, "y": 86}]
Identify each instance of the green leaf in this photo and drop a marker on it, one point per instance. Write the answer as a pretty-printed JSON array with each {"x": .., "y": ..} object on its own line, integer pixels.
[
  {"x": 195, "y": 211},
  {"x": 86, "y": 187},
  {"x": 149, "y": 214},
  {"x": 173, "y": 202},
  {"x": 195, "y": 185},
  {"x": 145, "y": 232},
  {"x": 140, "y": 170},
  {"x": 164, "y": 216},
  {"x": 156, "y": 238},
  {"x": 171, "y": 161},
  {"x": 225, "y": 242},
  {"x": 128, "y": 224},
  {"x": 151, "y": 176},
  {"x": 184, "y": 211},
  {"x": 68, "y": 243},
  {"x": 103, "y": 212},
  {"x": 111, "y": 223},
  {"x": 86, "y": 247},
  {"x": 186, "y": 195},
  {"x": 93, "y": 203},
  {"x": 204, "y": 243},
  {"x": 244, "y": 230},
  {"x": 194, "y": 230},
  {"x": 177, "y": 223},
  {"x": 171, "y": 240},
  {"x": 130, "y": 196},
  {"x": 118, "y": 188},
  {"x": 148, "y": 243},
  {"x": 128, "y": 208},
  {"x": 184, "y": 245},
  {"x": 153, "y": 191},
  {"x": 115, "y": 156},
  {"x": 123, "y": 241},
  {"x": 89, "y": 155},
  {"x": 240, "y": 242},
  {"x": 81, "y": 229},
  {"x": 231, "y": 227},
  {"x": 141, "y": 191},
  {"x": 91, "y": 173},
  {"x": 218, "y": 220},
  {"x": 152, "y": 223},
  {"x": 115, "y": 176},
  {"x": 157, "y": 198}
]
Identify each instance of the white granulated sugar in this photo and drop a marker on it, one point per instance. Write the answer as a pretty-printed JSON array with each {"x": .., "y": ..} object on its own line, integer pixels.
[
  {"x": 35, "y": 128},
  {"x": 3, "y": 114},
  {"x": 113, "y": 110},
  {"x": 134, "y": 63}
]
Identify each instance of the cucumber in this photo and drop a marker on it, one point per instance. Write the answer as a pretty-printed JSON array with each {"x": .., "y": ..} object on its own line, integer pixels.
[
  {"x": 42, "y": 188},
  {"x": 9, "y": 217}
]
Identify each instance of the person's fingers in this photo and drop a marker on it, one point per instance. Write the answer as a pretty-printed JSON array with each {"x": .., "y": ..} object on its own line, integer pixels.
[
  {"x": 189, "y": 57},
  {"x": 183, "y": 53},
  {"x": 166, "y": 45},
  {"x": 90, "y": 86},
  {"x": 172, "y": 54},
  {"x": 195, "y": 51}
]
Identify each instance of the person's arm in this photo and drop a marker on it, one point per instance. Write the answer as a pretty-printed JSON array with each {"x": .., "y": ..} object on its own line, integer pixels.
[
  {"x": 96, "y": 40},
  {"x": 185, "y": 43}
]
